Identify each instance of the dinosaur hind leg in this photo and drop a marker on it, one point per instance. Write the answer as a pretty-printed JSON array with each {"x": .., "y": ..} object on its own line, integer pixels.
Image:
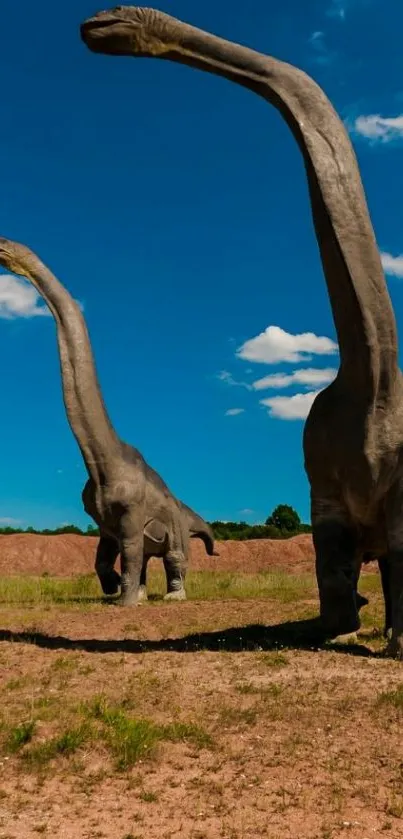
[
  {"x": 335, "y": 542},
  {"x": 142, "y": 597},
  {"x": 175, "y": 571},
  {"x": 391, "y": 568},
  {"x": 107, "y": 553}
]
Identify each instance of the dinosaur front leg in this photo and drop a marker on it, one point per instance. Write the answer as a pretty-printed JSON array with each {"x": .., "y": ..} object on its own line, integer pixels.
[
  {"x": 394, "y": 601},
  {"x": 176, "y": 560},
  {"x": 131, "y": 559},
  {"x": 142, "y": 598},
  {"x": 107, "y": 552},
  {"x": 392, "y": 571},
  {"x": 175, "y": 565},
  {"x": 335, "y": 545}
]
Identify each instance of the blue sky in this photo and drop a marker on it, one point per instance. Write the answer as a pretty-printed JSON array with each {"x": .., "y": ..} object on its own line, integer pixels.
[{"x": 174, "y": 206}]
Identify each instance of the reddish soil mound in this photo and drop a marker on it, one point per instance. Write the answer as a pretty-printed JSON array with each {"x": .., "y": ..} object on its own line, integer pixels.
[{"x": 65, "y": 556}]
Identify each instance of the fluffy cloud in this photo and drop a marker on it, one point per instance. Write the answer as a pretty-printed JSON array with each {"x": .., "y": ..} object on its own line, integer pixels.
[
  {"x": 7, "y": 521},
  {"x": 290, "y": 407},
  {"x": 379, "y": 129},
  {"x": 392, "y": 265},
  {"x": 337, "y": 9},
  {"x": 233, "y": 412},
  {"x": 275, "y": 345},
  {"x": 308, "y": 376},
  {"x": 227, "y": 377},
  {"x": 18, "y": 299}
]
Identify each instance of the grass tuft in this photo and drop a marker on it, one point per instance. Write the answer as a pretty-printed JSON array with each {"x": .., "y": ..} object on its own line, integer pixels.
[
  {"x": 392, "y": 697},
  {"x": 64, "y": 744},
  {"x": 133, "y": 739},
  {"x": 182, "y": 731},
  {"x": 20, "y": 736}
]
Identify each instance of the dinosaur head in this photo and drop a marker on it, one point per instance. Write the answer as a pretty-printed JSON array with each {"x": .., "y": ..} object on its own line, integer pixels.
[
  {"x": 15, "y": 257},
  {"x": 129, "y": 30}
]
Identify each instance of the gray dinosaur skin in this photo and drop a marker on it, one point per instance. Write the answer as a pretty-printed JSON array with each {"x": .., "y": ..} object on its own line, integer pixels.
[
  {"x": 353, "y": 437},
  {"x": 137, "y": 514},
  {"x": 198, "y": 529}
]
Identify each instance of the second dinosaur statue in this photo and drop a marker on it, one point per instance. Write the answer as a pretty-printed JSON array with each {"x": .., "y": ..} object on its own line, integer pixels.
[{"x": 136, "y": 513}]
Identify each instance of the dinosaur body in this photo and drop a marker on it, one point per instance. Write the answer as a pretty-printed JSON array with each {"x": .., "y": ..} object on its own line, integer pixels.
[
  {"x": 353, "y": 437},
  {"x": 137, "y": 515}
]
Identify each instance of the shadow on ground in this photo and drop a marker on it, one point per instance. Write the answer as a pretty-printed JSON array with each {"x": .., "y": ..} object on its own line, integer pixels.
[{"x": 297, "y": 635}]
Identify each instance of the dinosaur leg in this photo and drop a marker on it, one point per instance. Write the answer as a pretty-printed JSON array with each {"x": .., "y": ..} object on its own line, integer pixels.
[
  {"x": 131, "y": 558},
  {"x": 107, "y": 552},
  {"x": 175, "y": 571},
  {"x": 175, "y": 562},
  {"x": 335, "y": 547},
  {"x": 143, "y": 581},
  {"x": 392, "y": 571}
]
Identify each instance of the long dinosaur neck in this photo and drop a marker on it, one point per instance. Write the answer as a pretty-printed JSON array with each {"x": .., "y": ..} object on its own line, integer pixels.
[
  {"x": 85, "y": 409},
  {"x": 362, "y": 309}
]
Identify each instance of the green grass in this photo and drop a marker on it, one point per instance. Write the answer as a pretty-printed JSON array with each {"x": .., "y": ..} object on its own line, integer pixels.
[
  {"x": 131, "y": 739},
  {"x": 393, "y": 698},
  {"x": 19, "y": 736},
  {"x": 274, "y": 659},
  {"x": 200, "y": 585},
  {"x": 64, "y": 744},
  {"x": 47, "y": 590}
]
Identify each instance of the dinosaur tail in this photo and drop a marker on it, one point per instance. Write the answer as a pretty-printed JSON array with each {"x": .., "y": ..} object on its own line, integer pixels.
[
  {"x": 207, "y": 537},
  {"x": 199, "y": 529}
]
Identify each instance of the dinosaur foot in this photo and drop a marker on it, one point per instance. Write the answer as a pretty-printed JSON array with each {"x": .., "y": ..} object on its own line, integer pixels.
[
  {"x": 128, "y": 598},
  {"x": 394, "y": 648},
  {"x": 110, "y": 583},
  {"x": 176, "y": 595}
]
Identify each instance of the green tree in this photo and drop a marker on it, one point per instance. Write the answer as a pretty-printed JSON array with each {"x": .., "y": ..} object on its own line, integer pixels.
[{"x": 285, "y": 518}]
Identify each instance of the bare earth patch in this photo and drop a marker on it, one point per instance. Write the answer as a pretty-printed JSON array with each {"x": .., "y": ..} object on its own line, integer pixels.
[
  {"x": 211, "y": 718},
  {"x": 69, "y": 554}
]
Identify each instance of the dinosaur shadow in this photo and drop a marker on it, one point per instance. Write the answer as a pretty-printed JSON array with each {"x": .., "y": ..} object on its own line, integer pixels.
[{"x": 294, "y": 635}]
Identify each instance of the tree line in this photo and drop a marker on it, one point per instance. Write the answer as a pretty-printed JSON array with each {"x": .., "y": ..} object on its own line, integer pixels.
[{"x": 282, "y": 523}]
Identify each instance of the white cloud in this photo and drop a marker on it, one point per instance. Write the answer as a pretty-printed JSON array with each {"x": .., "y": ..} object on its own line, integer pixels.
[
  {"x": 225, "y": 376},
  {"x": 275, "y": 345},
  {"x": 392, "y": 265},
  {"x": 337, "y": 9},
  {"x": 7, "y": 521},
  {"x": 18, "y": 299},
  {"x": 322, "y": 54},
  {"x": 246, "y": 511},
  {"x": 233, "y": 412},
  {"x": 308, "y": 376},
  {"x": 376, "y": 128},
  {"x": 290, "y": 407}
]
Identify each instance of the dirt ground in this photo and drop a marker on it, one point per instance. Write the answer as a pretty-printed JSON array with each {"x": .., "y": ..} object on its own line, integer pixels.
[{"x": 260, "y": 729}]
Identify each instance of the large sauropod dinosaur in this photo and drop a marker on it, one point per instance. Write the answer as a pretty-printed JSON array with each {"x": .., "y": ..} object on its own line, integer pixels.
[
  {"x": 137, "y": 514},
  {"x": 353, "y": 438}
]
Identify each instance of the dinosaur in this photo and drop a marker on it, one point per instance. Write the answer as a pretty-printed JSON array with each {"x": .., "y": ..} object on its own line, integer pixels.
[
  {"x": 198, "y": 529},
  {"x": 136, "y": 513},
  {"x": 353, "y": 436}
]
